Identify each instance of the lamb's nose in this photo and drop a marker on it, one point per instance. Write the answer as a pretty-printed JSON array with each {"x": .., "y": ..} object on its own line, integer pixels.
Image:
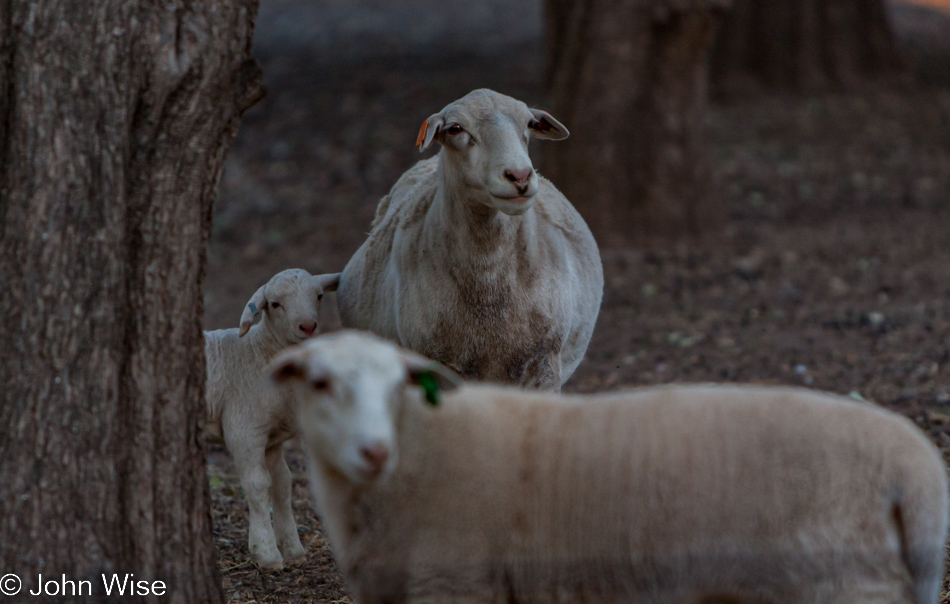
[
  {"x": 308, "y": 327},
  {"x": 519, "y": 178},
  {"x": 376, "y": 455}
]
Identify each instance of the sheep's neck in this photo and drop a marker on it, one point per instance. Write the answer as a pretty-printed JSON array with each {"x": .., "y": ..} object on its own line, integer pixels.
[
  {"x": 265, "y": 340},
  {"x": 339, "y": 502},
  {"x": 474, "y": 234}
]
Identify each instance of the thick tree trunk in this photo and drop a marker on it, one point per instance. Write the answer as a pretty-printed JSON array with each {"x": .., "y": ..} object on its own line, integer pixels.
[
  {"x": 115, "y": 118},
  {"x": 628, "y": 78},
  {"x": 805, "y": 45}
]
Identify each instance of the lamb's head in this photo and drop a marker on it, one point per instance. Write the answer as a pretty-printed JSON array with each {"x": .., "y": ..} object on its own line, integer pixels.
[
  {"x": 485, "y": 140},
  {"x": 349, "y": 387},
  {"x": 289, "y": 305}
]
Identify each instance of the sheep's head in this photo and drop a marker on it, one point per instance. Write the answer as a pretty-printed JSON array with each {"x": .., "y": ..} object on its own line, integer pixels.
[
  {"x": 290, "y": 304},
  {"x": 348, "y": 387},
  {"x": 485, "y": 140}
]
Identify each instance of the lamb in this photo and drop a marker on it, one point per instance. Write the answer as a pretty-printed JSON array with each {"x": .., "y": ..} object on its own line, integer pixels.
[
  {"x": 474, "y": 259},
  {"x": 683, "y": 494},
  {"x": 253, "y": 420}
]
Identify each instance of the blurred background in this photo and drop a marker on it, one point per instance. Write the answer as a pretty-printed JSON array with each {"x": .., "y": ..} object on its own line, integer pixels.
[{"x": 770, "y": 186}]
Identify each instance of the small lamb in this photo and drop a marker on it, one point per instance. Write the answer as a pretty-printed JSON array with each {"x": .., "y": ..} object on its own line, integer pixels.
[
  {"x": 474, "y": 259},
  {"x": 251, "y": 418},
  {"x": 671, "y": 495}
]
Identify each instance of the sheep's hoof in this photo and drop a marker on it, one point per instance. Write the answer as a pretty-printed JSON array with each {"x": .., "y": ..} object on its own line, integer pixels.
[
  {"x": 271, "y": 564},
  {"x": 269, "y": 559},
  {"x": 294, "y": 553}
]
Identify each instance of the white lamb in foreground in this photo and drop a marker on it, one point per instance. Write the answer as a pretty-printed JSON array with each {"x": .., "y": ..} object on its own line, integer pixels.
[
  {"x": 679, "y": 494},
  {"x": 251, "y": 418},
  {"x": 474, "y": 259}
]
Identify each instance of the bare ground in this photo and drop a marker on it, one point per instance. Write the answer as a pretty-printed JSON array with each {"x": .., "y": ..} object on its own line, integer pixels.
[{"x": 833, "y": 270}]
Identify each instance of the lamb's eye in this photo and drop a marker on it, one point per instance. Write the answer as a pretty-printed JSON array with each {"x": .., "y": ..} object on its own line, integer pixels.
[
  {"x": 455, "y": 129},
  {"x": 320, "y": 297},
  {"x": 275, "y": 304},
  {"x": 320, "y": 385}
]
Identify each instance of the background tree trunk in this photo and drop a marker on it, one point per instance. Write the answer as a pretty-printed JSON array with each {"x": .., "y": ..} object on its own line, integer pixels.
[
  {"x": 629, "y": 79},
  {"x": 115, "y": 118},
  {"x": 804, "y": 45}
]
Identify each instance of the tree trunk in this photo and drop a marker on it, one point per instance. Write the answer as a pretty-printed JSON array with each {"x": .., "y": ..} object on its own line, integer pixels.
[
  {"x": 115, "y": 118},
  {"x": 628, "y": 78},
  {"x": 804, "y": 45}
]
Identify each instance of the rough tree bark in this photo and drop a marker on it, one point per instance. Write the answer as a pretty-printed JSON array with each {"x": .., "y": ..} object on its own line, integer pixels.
[
  {"x": 629, "y": 78},
  {"x": 115, "y": 118},
  {"x": 805, "y": 45}
]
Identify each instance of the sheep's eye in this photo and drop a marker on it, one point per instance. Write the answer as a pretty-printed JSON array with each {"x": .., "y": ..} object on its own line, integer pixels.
[
  {"x": 455, "y": 129},
  {"x": 275, "y": 304},
  {"x": 320, "y": 385},
  {"x": 320, "y": 297}
]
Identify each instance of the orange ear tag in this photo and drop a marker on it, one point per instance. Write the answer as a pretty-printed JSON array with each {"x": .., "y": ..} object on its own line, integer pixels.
[{"x": 422, "y": 133}]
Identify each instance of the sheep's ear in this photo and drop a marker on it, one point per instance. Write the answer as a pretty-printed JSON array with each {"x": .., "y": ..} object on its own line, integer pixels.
[
  {"x": 431, "y": 376},
  {"x": 289, "y": 365},
  {"x": 328, "y": 283},
  {"x": 430, "y": 128},
  {"x": 252, "y": 312},
  {"x": 545, "y": 126}
]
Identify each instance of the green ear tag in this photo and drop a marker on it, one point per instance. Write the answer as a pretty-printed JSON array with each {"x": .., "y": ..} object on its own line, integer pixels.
[{"x": 431, "y": 387}]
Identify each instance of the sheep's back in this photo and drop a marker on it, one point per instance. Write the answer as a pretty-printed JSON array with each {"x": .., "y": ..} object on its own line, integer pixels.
[
  {"x": 697, "y": 486},
  {"x": 235, "y": 372},
  {"x": 364, "y": 289}
]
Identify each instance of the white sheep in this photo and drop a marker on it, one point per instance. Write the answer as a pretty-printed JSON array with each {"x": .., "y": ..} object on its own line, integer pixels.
[
  {"x": 474, "y": 259},
  {"x": 682, "y": 494},
  {"x": 251, "y": 418}
]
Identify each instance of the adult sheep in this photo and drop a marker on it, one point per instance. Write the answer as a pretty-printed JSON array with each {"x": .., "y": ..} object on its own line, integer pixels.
[
  {"x": 671, "y": 495},
  {"x": 474, "y": 259}
]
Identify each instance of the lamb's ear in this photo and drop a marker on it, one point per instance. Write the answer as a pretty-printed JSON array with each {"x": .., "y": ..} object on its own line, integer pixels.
[
  {"x": 430, "y": 128},
  {"x": 289, "y": 364},
  {"x": 433, "y": 377},
  {"x": 252, "y": 312},
  {"x": 328, "y": 283},
  {"x": 545, "y": 126}
]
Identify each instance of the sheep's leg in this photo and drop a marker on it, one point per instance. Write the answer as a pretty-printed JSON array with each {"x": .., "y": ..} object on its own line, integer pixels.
[
  {"x": 248, "y": 457},
  {"x": 544, "y": 372},
  {"x": 554, "y": 371},
  {"x": 281, "y": 487}
]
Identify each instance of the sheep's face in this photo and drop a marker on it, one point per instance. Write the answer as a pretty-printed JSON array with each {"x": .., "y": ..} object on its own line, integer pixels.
[
  {"x": 348, "y": 391},
  {"x": 485, "y": 140},
  {"x": 290, "y": 301},
  {"x": 292, "y": 306}
]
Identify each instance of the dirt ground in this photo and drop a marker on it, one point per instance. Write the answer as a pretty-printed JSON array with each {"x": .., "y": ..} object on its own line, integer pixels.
[{"x": 833, "y": 269}]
